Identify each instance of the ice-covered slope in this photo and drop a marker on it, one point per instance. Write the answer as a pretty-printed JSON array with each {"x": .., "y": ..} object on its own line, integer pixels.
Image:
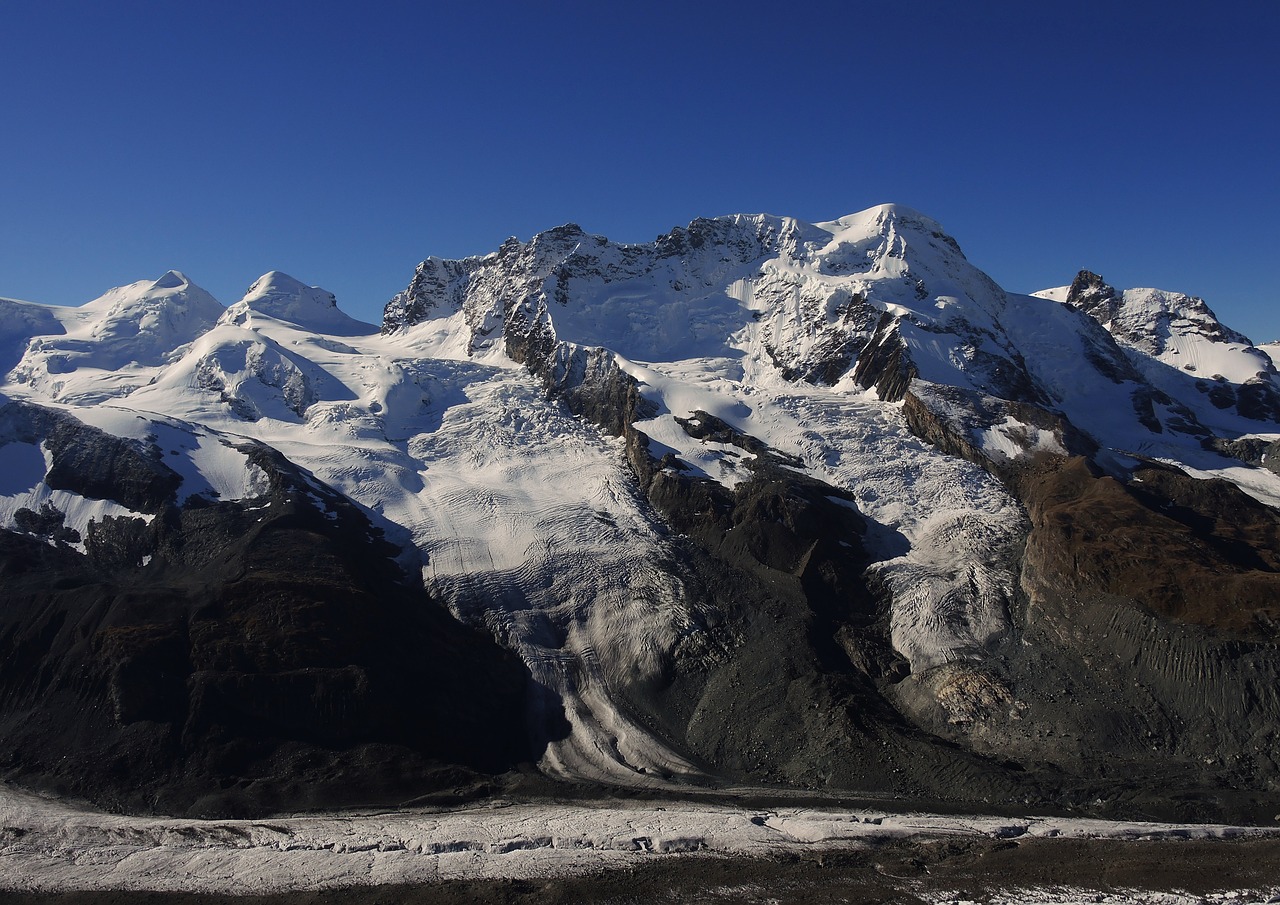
[
  {"x": 279, "y": 296},
  {"x": 19, "y": 321}
]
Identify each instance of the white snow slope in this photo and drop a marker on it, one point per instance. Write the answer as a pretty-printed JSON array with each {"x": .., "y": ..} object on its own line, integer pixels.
[{"x": 525, "y": 518}]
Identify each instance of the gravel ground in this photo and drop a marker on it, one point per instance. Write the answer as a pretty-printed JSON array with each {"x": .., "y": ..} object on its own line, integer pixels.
[{"x": 981, "y": 870}]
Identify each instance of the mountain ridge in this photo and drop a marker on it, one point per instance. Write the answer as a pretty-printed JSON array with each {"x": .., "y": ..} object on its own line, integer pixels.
[{"x": 762, "y": 501}]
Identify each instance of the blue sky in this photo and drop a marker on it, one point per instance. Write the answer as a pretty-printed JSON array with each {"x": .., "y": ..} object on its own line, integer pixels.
[{"x": 344, "y": 143}]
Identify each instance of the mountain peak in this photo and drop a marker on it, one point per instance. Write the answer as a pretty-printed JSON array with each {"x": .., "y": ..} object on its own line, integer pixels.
[
  {"x": 173, "y": 287},
  {"x": 139, "y": 324},
  {"x": 278, "y": 295},
  {"x": 275, "y": 284},
  {"x": 172, "y": 279},
  {"x": 1146, "y": 318},
  {"x": 877, "y": 219},
  {"x": 892, "y": 210}
]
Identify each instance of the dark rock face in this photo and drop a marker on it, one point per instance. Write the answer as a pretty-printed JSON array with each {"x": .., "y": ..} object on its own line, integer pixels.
[
  {"x": 269, "y": 655},
  {"x": 1256, "y": 398},
  {"x": 885, "y": 362},
  {"x": 1192, "y": 552},
  {"x": 950, "y": 418},
  {"x": 48, "y": 523},
  {"x": 1265, "y": 453},
  {"x": 1159, "y": 599},
  {"x": 89, "y": 461},
  {"x": 1094, "y": 296},
  {"x": 1259, "y": 400}
]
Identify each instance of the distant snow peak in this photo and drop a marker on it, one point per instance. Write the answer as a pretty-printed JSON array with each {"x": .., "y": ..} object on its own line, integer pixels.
[
  {"x": 275, "y": 293},
  {"x": 275, "y": 282},
  {"x": 882, "y": 218},
  {"x": 278, "y": 295},
  {"x": 173, "y": 287},
  {"x": 1147, "y": 316},
  {"x": 1178, "y": 345},
  {"x": 126, "y": 332}
]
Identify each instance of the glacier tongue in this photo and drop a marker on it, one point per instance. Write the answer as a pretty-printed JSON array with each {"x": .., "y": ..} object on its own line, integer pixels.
[{"x": 530, "y": 524}]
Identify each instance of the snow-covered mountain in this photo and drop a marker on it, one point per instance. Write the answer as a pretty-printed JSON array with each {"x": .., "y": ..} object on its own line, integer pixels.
[
  {"x": 1179, "y": 344},
  {"x": 109, "y": 346},
  {"x": 761, "y": 501}
]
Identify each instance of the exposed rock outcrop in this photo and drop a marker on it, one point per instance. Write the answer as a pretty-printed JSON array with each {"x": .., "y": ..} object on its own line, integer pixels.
[{"x": 89, "y": 461}]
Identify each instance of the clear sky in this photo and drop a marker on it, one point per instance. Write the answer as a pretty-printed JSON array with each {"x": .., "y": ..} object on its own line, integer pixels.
[{"x": 343, "y": 143}]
